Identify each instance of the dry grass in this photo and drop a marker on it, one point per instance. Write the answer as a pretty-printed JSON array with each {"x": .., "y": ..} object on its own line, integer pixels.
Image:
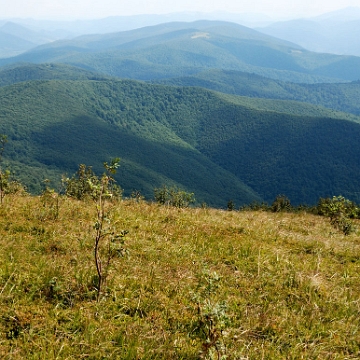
[{"x": 290, "y": 283}]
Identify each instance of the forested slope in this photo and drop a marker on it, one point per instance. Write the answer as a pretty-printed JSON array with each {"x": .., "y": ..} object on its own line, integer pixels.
[
  {"x": 338, "y": 96},
  {"x": 218, "y": 146},
  {"x": 56, "y": 125},
  {"x": 15, "y": 73}
]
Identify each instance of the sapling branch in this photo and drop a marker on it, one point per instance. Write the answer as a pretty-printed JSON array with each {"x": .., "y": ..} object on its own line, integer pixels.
[{"x": 101, "y": 191}]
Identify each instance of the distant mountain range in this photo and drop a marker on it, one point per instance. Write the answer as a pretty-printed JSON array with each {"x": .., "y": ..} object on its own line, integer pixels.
[
  {"x": 336, "y": 33},
  {"x": 179, "y": 49},
  {"x": 20, "y": 35}
]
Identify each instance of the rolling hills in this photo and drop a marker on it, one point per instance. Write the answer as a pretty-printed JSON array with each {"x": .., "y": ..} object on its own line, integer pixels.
[
  {"x": 218, "y": 146},
  {"x": 338, "y": 96},
  {"x": 181, "y": 49}
]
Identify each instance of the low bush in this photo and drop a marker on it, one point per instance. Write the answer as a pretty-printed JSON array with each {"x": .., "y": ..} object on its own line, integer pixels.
[{"x": 173, "y": 196}]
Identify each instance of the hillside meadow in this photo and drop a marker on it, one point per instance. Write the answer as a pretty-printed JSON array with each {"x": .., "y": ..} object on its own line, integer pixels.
[{"x": 194, "y": 283}]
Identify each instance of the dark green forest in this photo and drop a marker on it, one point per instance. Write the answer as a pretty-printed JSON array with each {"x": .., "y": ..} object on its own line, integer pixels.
[
  {"x": 218, "y": 146},
  {"x": 338, "y": 96}
]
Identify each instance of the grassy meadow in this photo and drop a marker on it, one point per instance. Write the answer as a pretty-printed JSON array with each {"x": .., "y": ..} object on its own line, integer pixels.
[{"x": 195, "y": 283}]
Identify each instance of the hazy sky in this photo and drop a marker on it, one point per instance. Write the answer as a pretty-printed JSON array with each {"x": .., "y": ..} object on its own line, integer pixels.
[{"x": 102, "y": 8}]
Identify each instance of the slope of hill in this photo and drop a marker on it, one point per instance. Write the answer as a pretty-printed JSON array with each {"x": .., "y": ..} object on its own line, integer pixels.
[
  {"x": 15, "y": 39},
  {"x": 22, "y": 32},
  {"x": 218, "y": 146},
  {"x": 59, "y": 125},
  {"x": 337, "y": 96},
  {"x": 11, "y": 45},
  {"x": 178, "y": 49},
  {"x": 13, "y": 74}
]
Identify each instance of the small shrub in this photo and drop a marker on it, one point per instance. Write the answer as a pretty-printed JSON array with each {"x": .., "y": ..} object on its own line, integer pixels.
[
  {"x": 281, "y": 203},
  {"x": 137, "y": 196},
  {"x": 340, "y": 211},
  {"x": 332, "y": 206},
  {"x": 231, "y": 205},
  {"x": 78, "y": 186},
  {"x": 81, "y": 185},
  {"x": 173, "y": 196}
]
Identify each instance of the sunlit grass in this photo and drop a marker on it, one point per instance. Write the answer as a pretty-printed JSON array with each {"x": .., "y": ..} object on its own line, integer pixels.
[{"x": 290, "y": 283}]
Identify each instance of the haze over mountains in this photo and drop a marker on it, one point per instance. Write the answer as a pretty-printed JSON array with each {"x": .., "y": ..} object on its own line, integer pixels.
[
  {"x": 214, "y": 107},
  {"x": 178, "y": 49},
  {"x": 336, "y": 32}
]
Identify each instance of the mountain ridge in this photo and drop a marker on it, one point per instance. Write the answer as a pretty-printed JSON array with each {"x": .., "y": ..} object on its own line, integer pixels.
[{"x": 176, "y": 50}]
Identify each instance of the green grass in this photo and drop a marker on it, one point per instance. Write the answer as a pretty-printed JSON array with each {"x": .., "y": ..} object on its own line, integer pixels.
[{"x": 290, "y": 283}]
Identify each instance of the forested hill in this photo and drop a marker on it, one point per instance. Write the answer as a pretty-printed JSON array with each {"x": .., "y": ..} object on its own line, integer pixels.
[
  {"x": 338, "y": 96},
  {"x": 181, "y": 49},
  {"x": 218, "y": 146},
  {"x": 15, "y": 73}
]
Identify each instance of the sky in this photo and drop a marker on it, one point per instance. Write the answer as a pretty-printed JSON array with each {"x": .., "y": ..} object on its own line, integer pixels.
[{"x": 91, "y": 9}]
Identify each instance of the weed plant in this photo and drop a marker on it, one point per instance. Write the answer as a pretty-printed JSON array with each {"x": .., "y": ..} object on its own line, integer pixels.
[{"x": 275, "y": 285}]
